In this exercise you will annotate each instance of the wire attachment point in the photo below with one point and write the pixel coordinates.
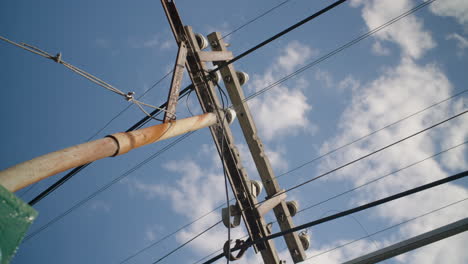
(129, 96)
(58, 58)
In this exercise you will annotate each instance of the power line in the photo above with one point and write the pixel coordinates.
(256, 18)
(58, 59)
(280, 34)
(373, 152)
(186, 242)
(128, 106)
(338, 50)
(370, 134)
(169, 235)
(380, 178)
(363, 185)
(105, 187)
(338, 195)
(351, 211)
(387, 228)
(76, 170)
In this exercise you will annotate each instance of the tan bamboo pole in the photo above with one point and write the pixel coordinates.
(29, 172)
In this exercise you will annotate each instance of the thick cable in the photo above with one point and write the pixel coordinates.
(338, 50)
(352, 211)
(308, 207)
(280, 34)
(387, 228)
(255, 19)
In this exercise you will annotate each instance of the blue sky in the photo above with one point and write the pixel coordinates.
(412, 64)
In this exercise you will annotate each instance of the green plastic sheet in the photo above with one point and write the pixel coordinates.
(15, 218)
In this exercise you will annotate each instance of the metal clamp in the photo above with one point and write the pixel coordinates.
(239, 244)
(233, 212)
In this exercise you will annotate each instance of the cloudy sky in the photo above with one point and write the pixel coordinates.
(407, 67)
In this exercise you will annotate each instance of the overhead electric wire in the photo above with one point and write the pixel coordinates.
(338, 50)
(326, 154)
(351, 211)
(76, 170)
(58, 59)
(387, 228)
(169, 235)
(128, 106)
(381, 177)
(105, 187)
(280, 34)
(308, 207)
(255, 18)
(369, 134)
(372, 153)
(186, 242)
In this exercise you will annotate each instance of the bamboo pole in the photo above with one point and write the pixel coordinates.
(29, 172)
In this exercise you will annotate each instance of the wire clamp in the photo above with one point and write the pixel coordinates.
(129, 96)
(240, 244)
(58, 58)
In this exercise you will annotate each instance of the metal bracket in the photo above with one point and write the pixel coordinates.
(233, 212)
(239, 244)
(176, 81)
(271, 203)
(215, 55)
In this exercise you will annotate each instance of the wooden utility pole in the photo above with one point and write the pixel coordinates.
(247, 205)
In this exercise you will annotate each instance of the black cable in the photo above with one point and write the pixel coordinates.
(255, 19)
(76, 170)
(338, 50)
(348, 144)
(285, 31)
(387, 228)
(308, 207)
(226, 188)
(351, 211)
(105, 187)
(186, 242)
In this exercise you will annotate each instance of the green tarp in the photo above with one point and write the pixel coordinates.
(15, 219)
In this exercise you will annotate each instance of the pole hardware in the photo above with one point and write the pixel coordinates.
(271, 203)
(234, 213)
(293, 207)
(239, 244)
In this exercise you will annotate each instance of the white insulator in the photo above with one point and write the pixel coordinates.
(256, 187)
(230, 115)
(293, 207)
(243, 77)
(202, 41)
(305, 240)
(217, 77)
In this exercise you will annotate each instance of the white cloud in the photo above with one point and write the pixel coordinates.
(398, 92)
(453, 8)
(325, 77)
(379, 49)
(349, 82)
(99, 205)
(462, 42)
(282, 110)
(407, 33)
